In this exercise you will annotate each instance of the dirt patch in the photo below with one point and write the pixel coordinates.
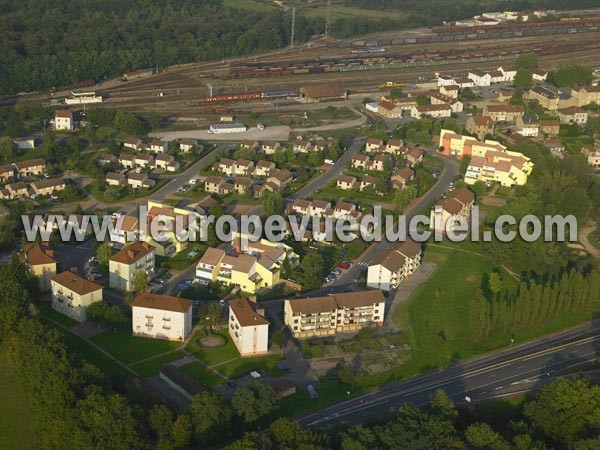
(212, 340)
(493, 201)
(471, 278)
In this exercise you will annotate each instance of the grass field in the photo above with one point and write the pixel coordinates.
(130, 349)
(250, 5)
(153, 366)
(339, 11)
(16, 428)
(202, 375)
(227, 361)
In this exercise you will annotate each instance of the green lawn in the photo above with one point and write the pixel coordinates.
(181, 260)
(243, 366)
(250, 5)
(94, 189)
(130, 349)
(16, 428)
(213, 355)
(153, 366)
(47, 311)
(330, 391)
(202, 375)
(91, 354)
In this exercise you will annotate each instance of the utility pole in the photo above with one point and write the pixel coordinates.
(328, 19)
(210, 89)
(293, 27)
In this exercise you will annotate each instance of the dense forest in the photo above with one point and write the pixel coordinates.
(47, 43)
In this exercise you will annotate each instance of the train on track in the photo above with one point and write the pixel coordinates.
(244, 96)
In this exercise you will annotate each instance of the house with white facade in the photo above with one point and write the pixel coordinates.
(248, 328)
(161, 317)
(388, 269)
(63, 120)
(123, 266)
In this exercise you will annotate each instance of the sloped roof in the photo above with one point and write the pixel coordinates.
(75, 283)
(162, 302)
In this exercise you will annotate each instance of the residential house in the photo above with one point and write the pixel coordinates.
(72, 294)
(40, 261)
(302, 146)
(447, 214)
(125, 264)
(389, 110)
(449, 91)
(435, 111)
(161, 317)
(586, 94)
(159, 146)
(545, 97)
(133, 143)
(164, 161)
(115, 179)
(248, 144)
(445, 80)
(247, 272)
(401, 177)
(550, 127)
(528, 125)
(336, 313)
(214, 185)
(490, 160)
(139, 180)
(594, 159)
(480, 126)
(388, 269)
(479, 77)
(360, 161)
(264, 168)
(414, 156)
(127, 160)
(188, 145)
(243, 167)
(346, 182)
(126, 229)
(242, 185)
(394, 146)
(573, 114)
(374, 145)
(270, 147)
(47, 186)
(456, 105)
(539, 74)
(63, 120)
(503, 113)
(368, 181)
(248, 328)
(107, 158)
(30, 168)
(14, 191)
(143, 160)
(7, 173)
(280, 179)
(505, 95)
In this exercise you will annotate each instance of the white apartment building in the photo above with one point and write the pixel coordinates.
(454, 208)
(63, 119)
(325, 316)
(161, 317)
(389, 269)
(123, 266)
(72, 294)
(248, 328)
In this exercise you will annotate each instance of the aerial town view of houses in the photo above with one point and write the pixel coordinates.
(311, 110)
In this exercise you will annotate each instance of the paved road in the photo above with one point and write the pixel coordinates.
(346, 280)
(506, 372)
(340, 165)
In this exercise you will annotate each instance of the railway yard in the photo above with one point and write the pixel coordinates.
(271, 81)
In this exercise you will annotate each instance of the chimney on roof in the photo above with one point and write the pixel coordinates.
(73, 269)
(50, 252)
(252, 299)
(130, 254)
